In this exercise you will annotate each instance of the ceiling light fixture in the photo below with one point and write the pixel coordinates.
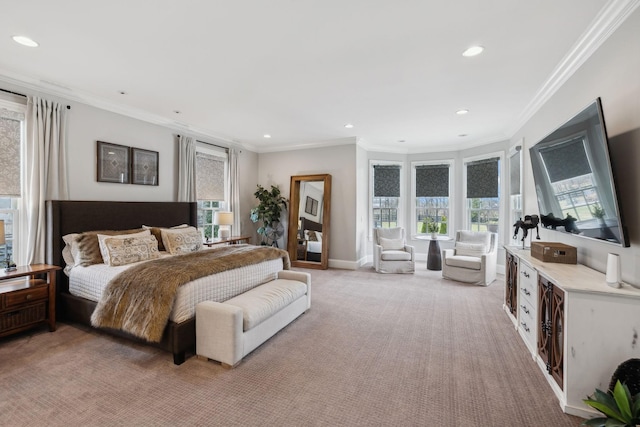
(348, 126)
(25, 41)
(473, 51)
(266, 135)
(462, 112)
(462, 135)
(401, 140)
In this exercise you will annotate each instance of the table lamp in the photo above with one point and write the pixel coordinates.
(224, 220)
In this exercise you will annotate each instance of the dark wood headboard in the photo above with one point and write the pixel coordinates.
(307, 224)
(69, 216)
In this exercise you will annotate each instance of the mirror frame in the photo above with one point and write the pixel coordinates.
(294, 206)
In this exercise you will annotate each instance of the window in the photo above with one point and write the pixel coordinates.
(431, 190)
(483, 194)
(11, 138)
(515, 188)
(211, 187)
(572, 178)
(386, 183)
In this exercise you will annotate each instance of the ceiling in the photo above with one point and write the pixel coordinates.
(300, 70)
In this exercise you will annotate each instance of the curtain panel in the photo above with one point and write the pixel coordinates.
(186, 169)
(386, 181)
(482, 178)
(432, 181)
(234, 191)
(514, 174)
(45, 171)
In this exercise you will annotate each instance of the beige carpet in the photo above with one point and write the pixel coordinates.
(374, 350)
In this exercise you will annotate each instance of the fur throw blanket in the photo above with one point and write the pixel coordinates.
(139, 300)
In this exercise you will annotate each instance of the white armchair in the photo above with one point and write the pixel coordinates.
(474, 258)
(391, 254)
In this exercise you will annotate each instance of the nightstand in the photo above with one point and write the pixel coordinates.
(27, 298)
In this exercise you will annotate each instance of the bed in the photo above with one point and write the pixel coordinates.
(312, 245)
(65, 217)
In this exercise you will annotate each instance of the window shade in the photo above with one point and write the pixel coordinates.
(514, 174)
(209, 177)
(482, 178)
(566, 160)
(432, 181)
(10, 131)
(386, 181)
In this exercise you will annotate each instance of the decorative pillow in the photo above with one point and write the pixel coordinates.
(126, 250)
(89, 248)
(157, 232)
(391, 244)
(311, 236)
(319, 236)
(70, 251)
(103, 237)
(182, 240)
(470, 249)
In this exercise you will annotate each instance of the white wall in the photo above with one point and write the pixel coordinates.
(339, 161)
(613, 74)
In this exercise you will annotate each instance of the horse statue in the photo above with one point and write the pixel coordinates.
(530, 221)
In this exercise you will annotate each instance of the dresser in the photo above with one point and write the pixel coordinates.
(576, 327)
(27, 298)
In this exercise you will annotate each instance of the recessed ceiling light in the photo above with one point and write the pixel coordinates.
(121, 92)
(177, 111)
(401, 140)
(266, 135)
(348, 126)
(462, 112)
(462, 135)
(25, 41)
(473, 51)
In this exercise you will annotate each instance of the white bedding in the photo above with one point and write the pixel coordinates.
(90, 282)
(313, 246)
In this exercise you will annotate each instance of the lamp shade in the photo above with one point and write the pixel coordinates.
(2, 238)
(223, 218)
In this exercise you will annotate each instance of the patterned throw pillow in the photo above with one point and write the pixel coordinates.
(103, 237)
(182, 240)
(88, 247)
(127, 250)
(157, 232)
(312, 236)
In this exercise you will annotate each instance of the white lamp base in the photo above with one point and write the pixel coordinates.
(224, 233)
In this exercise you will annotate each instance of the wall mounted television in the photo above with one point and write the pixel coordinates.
(574, 179)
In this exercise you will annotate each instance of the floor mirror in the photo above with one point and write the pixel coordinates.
(309, 221)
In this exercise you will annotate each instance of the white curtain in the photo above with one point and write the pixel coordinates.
(234, 191)
(186, 169)
(45, 172)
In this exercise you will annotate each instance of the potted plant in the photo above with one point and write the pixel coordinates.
(268, 211)
(619, 407)
(598, 212)
(433, 227)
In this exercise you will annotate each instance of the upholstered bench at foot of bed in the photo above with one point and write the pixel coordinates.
(230, 330)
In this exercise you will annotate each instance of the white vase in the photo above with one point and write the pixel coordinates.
(434, 235)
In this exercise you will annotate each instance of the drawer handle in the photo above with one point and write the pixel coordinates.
(525, 274)
(29, 296)
(525, 309)
(526, 291)
(525, 327)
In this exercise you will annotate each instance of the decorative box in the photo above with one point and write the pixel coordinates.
(554, 252)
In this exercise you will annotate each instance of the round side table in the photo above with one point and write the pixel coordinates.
(434, 256)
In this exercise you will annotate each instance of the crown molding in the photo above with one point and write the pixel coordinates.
(604, 24)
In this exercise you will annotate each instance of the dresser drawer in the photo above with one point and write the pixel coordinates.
(527, 322)
(528, 282)
(23, 316)
(24, 296)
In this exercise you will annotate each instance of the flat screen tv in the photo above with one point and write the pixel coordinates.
(574, 179)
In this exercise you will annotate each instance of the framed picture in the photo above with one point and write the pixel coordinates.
(144, 167)
(113, 163)
(311, 206)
